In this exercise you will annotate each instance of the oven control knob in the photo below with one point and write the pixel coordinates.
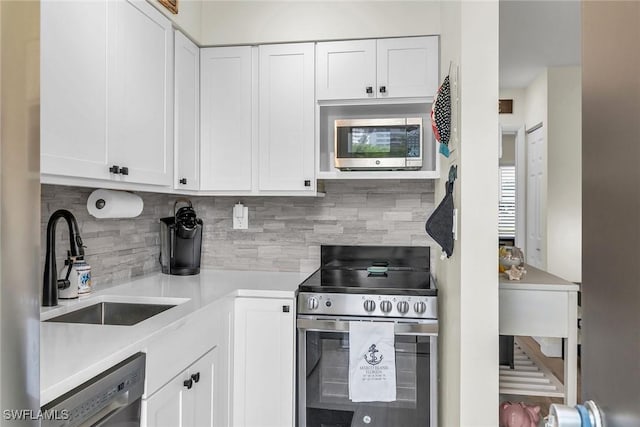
(386, 306)
(403, 307)
(369, 305)
(420, 307)
(312, 303)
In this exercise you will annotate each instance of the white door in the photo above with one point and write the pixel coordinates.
(346, 69)
(73, 89)
(187, 114)
(407, 67)
(140, 116)
(226, 151)
(286, 125)
(263, 363)
(536, 191)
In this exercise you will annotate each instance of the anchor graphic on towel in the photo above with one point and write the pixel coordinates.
(373, 359)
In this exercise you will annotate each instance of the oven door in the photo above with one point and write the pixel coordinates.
(323, 376)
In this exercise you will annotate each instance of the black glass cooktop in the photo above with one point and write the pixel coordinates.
(391, 270)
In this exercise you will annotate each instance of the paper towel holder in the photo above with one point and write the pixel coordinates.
(105, 204)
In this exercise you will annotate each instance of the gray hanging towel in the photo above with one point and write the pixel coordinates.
(440, 224)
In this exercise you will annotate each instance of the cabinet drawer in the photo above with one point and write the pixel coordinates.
(177, 347)
(534, 313)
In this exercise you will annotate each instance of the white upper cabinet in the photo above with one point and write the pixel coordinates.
(407, 67)
(73, 89)
(346, 69)
(286, 123)
(187, 114)
(140, 74)
(226, 147)
(384, 68)
(107, 91)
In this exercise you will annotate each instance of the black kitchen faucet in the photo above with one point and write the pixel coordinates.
(51, 282)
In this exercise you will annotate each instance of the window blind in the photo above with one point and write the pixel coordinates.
(507, 205)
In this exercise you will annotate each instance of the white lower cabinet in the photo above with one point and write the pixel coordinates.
(263, 362)
(187, 400)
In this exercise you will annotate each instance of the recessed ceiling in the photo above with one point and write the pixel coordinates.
(537, 34)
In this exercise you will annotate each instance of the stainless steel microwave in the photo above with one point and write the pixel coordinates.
(378, 144)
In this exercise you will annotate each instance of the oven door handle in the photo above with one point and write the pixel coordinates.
(429, 328)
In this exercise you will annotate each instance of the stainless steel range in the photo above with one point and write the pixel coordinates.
(368, 284)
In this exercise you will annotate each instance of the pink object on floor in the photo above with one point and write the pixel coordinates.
(518, 415)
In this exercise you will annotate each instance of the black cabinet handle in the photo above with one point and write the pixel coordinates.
(369, 89)
(124, 170)
(285, 309)
(188, 383)
(195, 377)
(183, 180)
(383, 89)
(114, 169)
(307, 183)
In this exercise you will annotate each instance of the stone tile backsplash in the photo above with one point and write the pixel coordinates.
(285, 233)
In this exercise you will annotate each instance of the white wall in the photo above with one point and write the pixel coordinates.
(468, 281)
(508, 157)
(519, 104)
(188, 19)
(564, 167)
(252, 22)
(448, 270)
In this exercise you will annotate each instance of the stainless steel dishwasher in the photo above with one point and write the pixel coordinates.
(112, 398)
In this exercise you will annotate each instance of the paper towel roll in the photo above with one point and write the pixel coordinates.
(114, 204)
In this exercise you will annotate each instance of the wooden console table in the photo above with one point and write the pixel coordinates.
(541, 305)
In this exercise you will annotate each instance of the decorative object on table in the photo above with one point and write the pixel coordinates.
(518, 415)
(509, 256)
(441, 115)
(515, 272)
(114, 204)
(588, 414)
(440, 224)
(172, 5)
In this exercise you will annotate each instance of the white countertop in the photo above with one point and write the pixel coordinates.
(71, 354)
(537, 280)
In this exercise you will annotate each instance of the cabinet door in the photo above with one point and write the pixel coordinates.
(171, 406)
(407, 67)
(187, 114)
(226, 156)
(263, 363)
(346, 70)
(286, 129)
(177, 405)
(140, 117)
(204, 370)
(73, 89)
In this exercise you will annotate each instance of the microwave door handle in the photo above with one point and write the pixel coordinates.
(400, 328)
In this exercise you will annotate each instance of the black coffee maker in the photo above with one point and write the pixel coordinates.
(181, 241)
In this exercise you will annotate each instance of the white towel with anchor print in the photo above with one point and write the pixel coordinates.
(372, 362)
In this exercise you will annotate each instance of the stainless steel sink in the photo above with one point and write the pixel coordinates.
(112, 313)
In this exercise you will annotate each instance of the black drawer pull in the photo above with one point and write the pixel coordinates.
(114, 169)
(196, 377)
(383, 89)
(369, 90)
(188, 383)
(285, 309)
(183, 181)
(124, 170)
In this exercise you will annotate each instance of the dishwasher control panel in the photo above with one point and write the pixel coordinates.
(99, 398)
